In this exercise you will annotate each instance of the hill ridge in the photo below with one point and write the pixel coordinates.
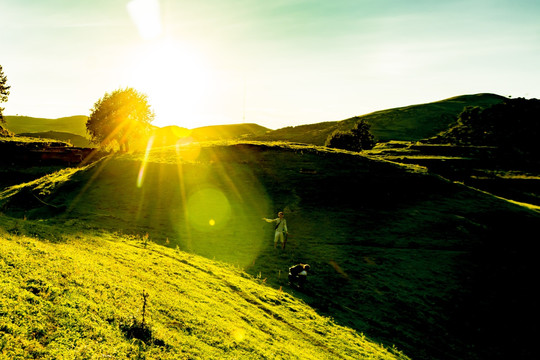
(422, 121)
(407, 123)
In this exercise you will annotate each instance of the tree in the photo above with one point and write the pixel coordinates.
(513, 125)
(119, 117)
(4, 92)
(357, 139)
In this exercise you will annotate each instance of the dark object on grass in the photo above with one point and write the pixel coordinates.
(298, 275)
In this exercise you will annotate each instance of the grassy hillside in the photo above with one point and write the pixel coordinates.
(4, 131)
(409, 259)
(410, 123)
(26, 124)
(75, 140)
(73, 129)
(12, 170)
(227, 132)
(173, 135)
(88, 295)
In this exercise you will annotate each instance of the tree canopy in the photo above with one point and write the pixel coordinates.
(4, 92)
(119, 117)
(357, 139)
(512, 125)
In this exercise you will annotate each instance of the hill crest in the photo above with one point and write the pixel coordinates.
(407, 123)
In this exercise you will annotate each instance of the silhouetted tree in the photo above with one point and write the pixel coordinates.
(357, 139)
(4, 92)
(511, 125)
(119, 117)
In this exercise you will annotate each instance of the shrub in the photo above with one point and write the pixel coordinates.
(357, 139)
(512, 125)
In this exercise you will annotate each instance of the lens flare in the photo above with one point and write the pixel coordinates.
(208, 209)
(146, 16)
(140, 178)
(187, 149)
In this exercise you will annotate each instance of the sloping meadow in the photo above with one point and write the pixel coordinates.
(407, 258)
(99, 295)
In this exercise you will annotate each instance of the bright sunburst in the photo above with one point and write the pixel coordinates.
(173, 75)
(175, 80)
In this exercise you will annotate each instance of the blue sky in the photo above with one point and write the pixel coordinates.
(277, 63)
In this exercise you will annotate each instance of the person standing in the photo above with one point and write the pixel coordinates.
(280, 228)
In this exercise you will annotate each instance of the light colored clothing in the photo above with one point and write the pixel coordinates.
(279, 236)
(281, 224)
(281, 227)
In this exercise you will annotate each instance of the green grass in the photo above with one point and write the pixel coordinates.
(73, 139)
(409, 259)
(73, 129)
(81, 297)
(409, 123)
(24, 124)
(31, 142)
(12, 172)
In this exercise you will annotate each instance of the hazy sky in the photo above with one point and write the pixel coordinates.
(278, 63)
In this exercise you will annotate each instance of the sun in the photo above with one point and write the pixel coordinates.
(175, 78)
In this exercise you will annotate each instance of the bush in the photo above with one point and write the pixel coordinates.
(357, 139)
(513, 125)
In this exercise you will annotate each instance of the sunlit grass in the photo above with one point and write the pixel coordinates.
(72, 299)
(391, 265)
(24, 140)
(140, 178)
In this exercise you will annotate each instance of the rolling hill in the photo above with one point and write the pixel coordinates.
(409, 259)
(409, 123)
(227, 132)
(75, 140)
(172, 135)
(73, 129)
(26, 124)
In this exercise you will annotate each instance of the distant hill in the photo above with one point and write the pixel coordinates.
(224, 132)
(25, 124)
(75, 140)
(170, 135)
(58, 129)
(409, 123)
(173, 135)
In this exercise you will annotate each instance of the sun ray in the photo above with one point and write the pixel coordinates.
(147, 17)
(100, 165)
(175, 77)
(140, 178)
